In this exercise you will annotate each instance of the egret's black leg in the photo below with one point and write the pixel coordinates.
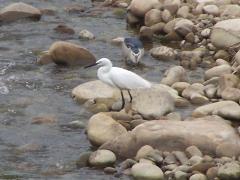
(123, 101)
(130, 96)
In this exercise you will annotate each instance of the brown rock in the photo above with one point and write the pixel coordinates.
(16, 11)
(44, 120)
(62, 28)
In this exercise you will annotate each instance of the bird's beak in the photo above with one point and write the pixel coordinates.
(90, 65)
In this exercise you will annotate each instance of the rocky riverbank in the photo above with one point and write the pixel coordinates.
(157, 141)
(151, 138)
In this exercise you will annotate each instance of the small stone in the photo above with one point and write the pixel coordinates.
(85, 34)
(181, 156)
(193, 151)
(152, 17)
(128, 163)
(145, 33)
(163, 53)
(179, 175)
(180, 86)
(44, 120)
(146, 171)
(110, 170)
(229, 171)
(31, 147)
(170, 159)
(212, 172)
(102, 158)
(142, 160)
(198, 176)
(144, 151)
(157, 28)
(166, 16)
(64, 29)
(183, 11)
(195, 160)
(83, 159)
(206, 33)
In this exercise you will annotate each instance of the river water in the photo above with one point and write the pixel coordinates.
(28, 90)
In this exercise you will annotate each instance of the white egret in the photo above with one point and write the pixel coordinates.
(119, 78)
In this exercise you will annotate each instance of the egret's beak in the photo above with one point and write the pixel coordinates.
(90, 65)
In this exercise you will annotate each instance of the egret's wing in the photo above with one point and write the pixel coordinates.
(125, 79)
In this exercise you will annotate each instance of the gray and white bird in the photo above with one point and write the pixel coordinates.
(119, 78)
(132, 49)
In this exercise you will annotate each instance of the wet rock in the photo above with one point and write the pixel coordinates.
(166, 16)
(147, 172)
(85, 34)
(102, 128)
(94, 90)
(229, 171)
(193, 151)
(152, 103)
(230, 112)
(183, 12)
(183, 27)
(144, 152)
(62, 28)
(163, 53)
(228, 149)
(83, 159)
(152, 17)
(180, 86)
(217, 71)
(31, 147)
(198, 176)
(132, 19)
(44, 59)
(141, 7)
(145, 33)
(225, 33)
(212, 131)
(174, 74)
(65, 53)
(157, 28)
(102, 158)
(110, 170)
(74, 8)
(208, 109)
(211, 9)
(16, 11)
(44, 120)
(212, 173)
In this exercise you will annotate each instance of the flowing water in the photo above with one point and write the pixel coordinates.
(28, 90)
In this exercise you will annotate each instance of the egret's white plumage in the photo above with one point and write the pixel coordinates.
(119, 78)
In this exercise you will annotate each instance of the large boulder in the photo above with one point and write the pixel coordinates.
(102, 128)
(209, 109)
(18, 11)
(226, 33)
(66, 53)
(152, 103)
(206, 133)
(141, 7)
(94, 90)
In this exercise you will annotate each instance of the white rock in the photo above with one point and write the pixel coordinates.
(147, 171)
(85, 34)
(102, 158)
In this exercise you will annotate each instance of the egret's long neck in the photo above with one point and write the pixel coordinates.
(104, 69)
